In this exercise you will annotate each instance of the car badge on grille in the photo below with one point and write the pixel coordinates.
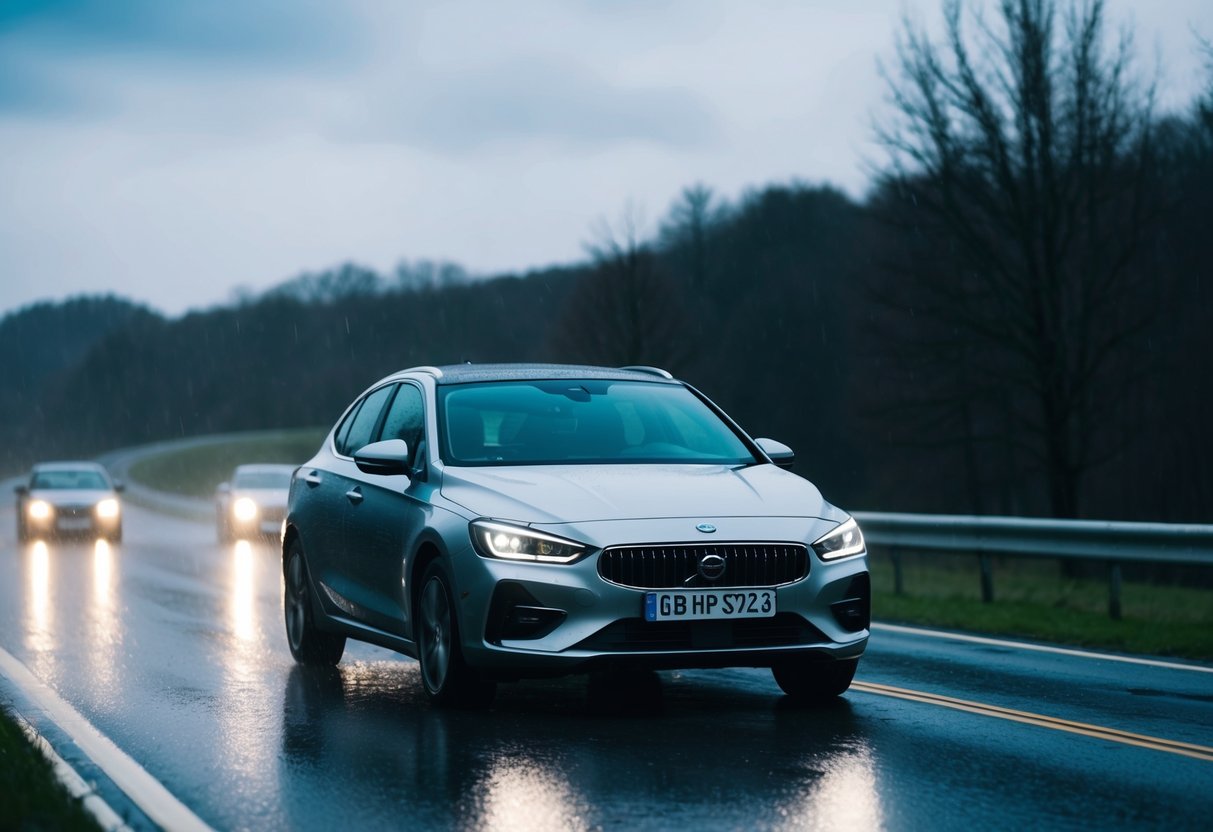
(706, 528)
(711, 567)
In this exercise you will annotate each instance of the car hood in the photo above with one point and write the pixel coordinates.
(70, 496)
(548, 494)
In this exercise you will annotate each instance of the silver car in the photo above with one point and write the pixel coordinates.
(63, 499)
(252, 502)
(506, 521)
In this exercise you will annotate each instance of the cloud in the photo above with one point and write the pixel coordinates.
(44, 45)
(545, 100)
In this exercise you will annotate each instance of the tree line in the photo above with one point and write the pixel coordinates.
(1014, 320)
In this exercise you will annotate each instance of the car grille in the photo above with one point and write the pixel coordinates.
(637, 635)
(73, 512)
(671, 567)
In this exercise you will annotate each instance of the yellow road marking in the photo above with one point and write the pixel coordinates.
(1187, 749)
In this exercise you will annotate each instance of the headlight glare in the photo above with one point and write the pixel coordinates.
(39, 509)
(244, 509)
(501, 540)
(842, 541)
(107, 508)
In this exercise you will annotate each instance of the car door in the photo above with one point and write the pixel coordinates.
(378, 524)
(334, 488)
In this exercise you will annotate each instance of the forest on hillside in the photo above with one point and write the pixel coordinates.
(1014, 320)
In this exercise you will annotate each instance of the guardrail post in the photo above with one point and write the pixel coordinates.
(1114, 593)
(898, 583)
(987, 579)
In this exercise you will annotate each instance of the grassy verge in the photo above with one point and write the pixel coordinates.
(194, 472)
(31, 797)
(1033, 600)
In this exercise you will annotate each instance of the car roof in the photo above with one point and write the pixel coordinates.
(471, 373)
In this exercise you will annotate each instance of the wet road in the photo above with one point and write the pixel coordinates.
(173, 647)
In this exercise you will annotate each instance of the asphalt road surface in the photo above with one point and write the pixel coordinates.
(172, 646)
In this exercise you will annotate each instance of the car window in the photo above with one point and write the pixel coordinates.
(83, 480)
(362, 422)
(538, 422)
(405, 418)
(262, 479)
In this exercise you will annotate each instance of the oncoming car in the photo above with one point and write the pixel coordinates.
(252, 502)
(69, 498)
(507, 521)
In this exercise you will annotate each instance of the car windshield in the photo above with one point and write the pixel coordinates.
(262, 479)
(582, 421)
(76, 480)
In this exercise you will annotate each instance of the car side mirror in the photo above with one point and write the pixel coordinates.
(387, 458)
(119, 486)
(779, 453)
(21, 489)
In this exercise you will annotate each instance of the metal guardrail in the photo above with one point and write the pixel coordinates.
(1111, 542)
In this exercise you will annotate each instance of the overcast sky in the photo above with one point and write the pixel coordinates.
(173, 151)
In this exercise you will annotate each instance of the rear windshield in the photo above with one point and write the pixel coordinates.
(70, 480)
(570, 421)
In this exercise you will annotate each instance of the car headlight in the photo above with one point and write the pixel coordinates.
(39, 509)
(244, 509)
(842, 541)
(107, 509)
(501, 540)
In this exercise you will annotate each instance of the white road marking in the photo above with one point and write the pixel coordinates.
(148, 793)
(1040, 648)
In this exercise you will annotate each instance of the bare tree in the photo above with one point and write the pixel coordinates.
(1021, 154)
(687, 228)
(624, 312)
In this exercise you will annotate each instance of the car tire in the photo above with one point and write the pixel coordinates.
(815, 680)
(22, 530)
(447, 679)
(309, 645)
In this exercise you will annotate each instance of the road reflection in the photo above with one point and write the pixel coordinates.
(841, 796)
(104, 627)
(519, 795)
(546, 758)
(40, 636)
(248, 690)
(242, 607)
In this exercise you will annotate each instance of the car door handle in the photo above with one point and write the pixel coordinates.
(354, 496)
(312, 479)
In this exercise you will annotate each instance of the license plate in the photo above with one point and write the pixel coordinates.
(74, 524)
(705, 604)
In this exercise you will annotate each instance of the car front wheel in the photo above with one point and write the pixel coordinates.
(309, 645)
(815, 680)
(447, 678)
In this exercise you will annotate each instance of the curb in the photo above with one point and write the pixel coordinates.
(76, 786)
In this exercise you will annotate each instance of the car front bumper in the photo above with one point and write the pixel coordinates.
(537, 619)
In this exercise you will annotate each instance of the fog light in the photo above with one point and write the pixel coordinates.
(854, 613)
(531, 622)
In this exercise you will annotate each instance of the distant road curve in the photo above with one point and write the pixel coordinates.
(121, 461)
